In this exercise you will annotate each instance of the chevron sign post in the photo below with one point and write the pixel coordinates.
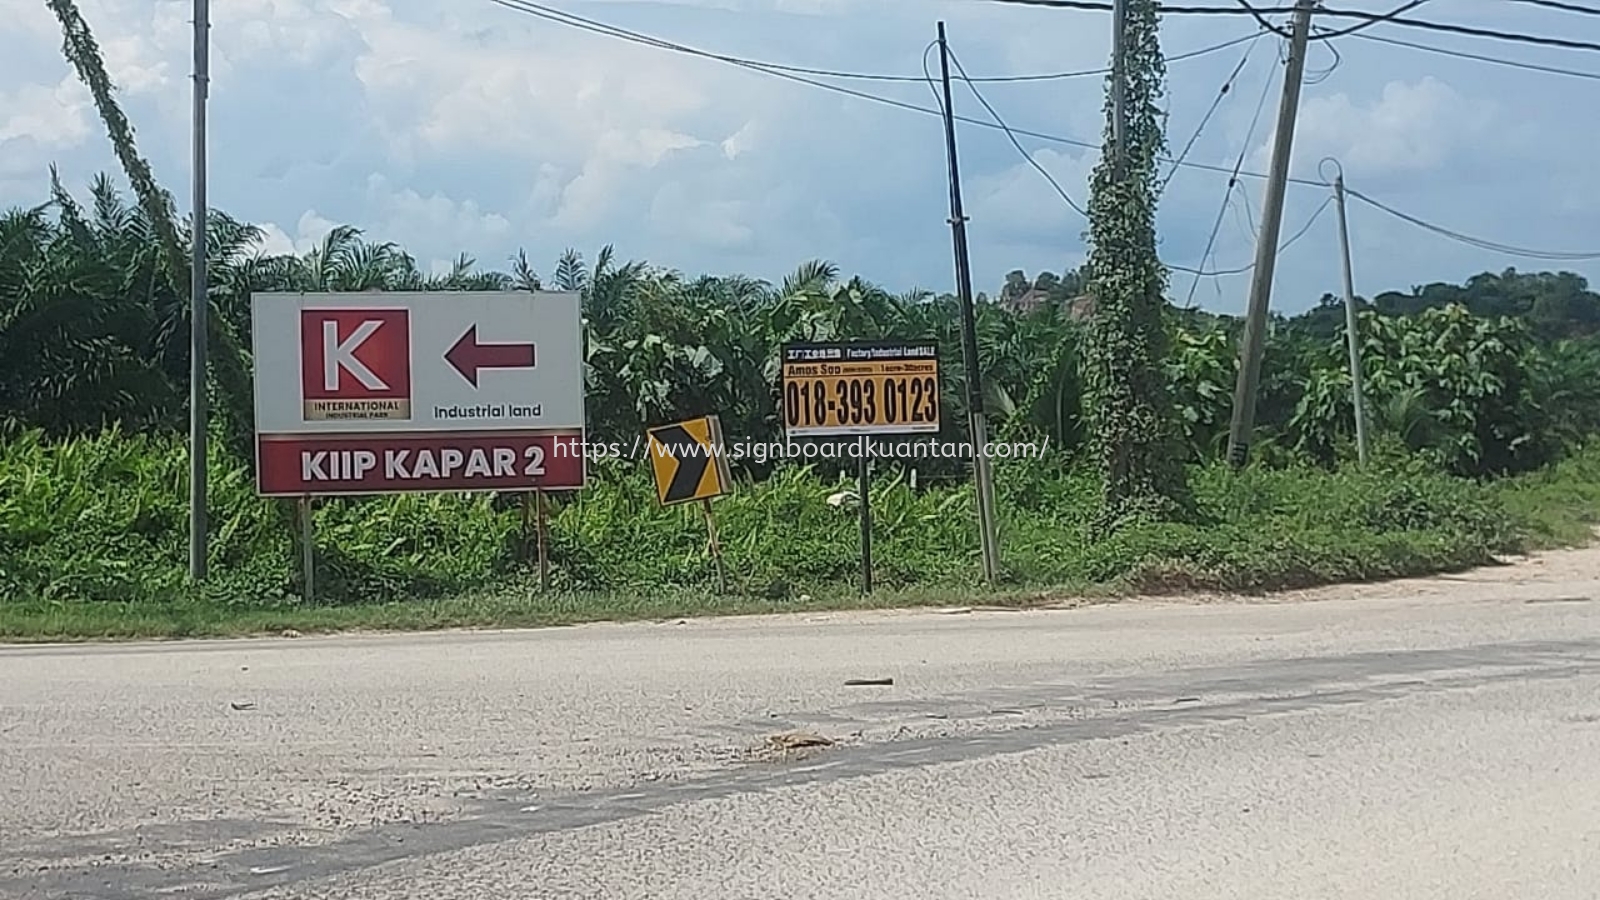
(689, 464)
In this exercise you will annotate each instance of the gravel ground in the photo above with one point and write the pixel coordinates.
(1451, 720)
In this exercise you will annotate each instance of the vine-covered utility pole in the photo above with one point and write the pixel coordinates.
(1128, 402)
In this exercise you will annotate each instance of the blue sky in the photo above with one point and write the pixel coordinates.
(463, 126)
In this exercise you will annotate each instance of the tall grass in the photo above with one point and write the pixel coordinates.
(103, 519)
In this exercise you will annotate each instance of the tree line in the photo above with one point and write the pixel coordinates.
(1487, 377)
(1490, 374)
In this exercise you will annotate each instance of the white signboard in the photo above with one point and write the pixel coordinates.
(410, 391)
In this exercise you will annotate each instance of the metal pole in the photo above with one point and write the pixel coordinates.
(308, 551)
(969, 333)
(716, 546)
(544, 543)
(1119, 88)
(1351, 332)
(1255, 326)
(199, 305)
(864, 487)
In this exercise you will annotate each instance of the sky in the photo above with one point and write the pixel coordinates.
(462, 126)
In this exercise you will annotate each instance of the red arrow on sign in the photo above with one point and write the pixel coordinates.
(468, 356)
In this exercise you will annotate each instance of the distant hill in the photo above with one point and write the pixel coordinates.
(1557, 305)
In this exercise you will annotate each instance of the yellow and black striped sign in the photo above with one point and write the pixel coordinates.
(688, 461)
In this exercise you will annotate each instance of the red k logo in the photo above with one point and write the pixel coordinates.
(355, 363)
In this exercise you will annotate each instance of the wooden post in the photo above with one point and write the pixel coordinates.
(716, 546)
(544, 547)
(308, 556)
(523, 539)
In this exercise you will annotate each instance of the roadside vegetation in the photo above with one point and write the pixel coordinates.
(1483, 398)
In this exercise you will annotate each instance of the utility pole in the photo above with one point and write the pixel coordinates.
(1119, 88)
(1351, 333)
(969, 335)
(1255, 326)
(199, 304)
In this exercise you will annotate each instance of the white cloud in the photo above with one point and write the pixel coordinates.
(741, 141)
(1409, 127)
(52, 115)
(311, 228)
(1019, 203)
(539, 98)
(490, 130)
(275, 31)
(407, 216)
(716, 223)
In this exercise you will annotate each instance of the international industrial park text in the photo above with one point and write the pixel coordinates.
(836, 448)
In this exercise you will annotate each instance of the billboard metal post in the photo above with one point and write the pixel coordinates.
(308, 550)
(864, 487)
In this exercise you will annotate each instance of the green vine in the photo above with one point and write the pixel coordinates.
(1128, 402)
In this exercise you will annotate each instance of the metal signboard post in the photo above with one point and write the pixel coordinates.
(861, 388)
(377, 393)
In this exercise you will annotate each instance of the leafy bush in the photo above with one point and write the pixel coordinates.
(102, 519)
(92, 334)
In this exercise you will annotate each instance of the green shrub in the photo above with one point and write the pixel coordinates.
(103, 519)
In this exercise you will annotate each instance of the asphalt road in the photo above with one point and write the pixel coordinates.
(1430, 739)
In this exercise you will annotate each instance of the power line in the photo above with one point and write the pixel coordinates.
(1469, 30)
(527, 7)
(1058, 76)
(560, 17)
(1233, 181)
(1260, 16)
(1163, 8)
(1281, 247)
(849, 75)
(1480, 243)
(1001, 122)
(1565, 7)
(1478, 57)
(1215, 103)
(1325, 74)
(1249, 217)
(1368, 18)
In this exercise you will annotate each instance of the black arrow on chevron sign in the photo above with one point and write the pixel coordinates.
(692, 457)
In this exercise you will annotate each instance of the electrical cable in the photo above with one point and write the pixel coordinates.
(1003, 127)
(1376, 19)
(1281, 247)
(1469, 30)
(1480, 243)
(1322, 75)
(1248, 203)
(1367, 18)
(1216, 102)
(527, 7)
(1564, 7)
(1478, 57)
(896, 79)
(1233, 181)
(1163, 8)
(1198, 273)
(1057, 76)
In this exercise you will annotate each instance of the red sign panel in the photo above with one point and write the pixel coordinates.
(355, 364)
(379, 464)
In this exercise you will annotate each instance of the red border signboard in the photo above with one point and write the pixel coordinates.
(393, 392)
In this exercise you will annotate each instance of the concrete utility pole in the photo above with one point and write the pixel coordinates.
(969, 336)
(1119, 88)
(1351, 332)
(1255, 326)
(199, 305)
